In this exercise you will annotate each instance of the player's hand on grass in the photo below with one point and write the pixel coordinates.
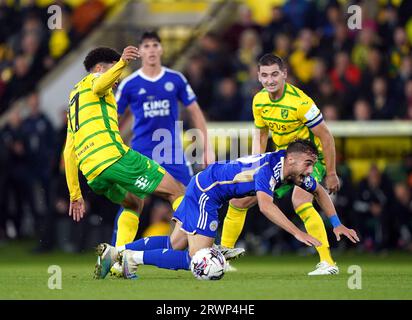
(130, 53)
(307, 239)
(348, 233)
(77, 209)
(332, 183)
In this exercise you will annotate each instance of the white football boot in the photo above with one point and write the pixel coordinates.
(230, 253)
(324, 268)
(129, 266)
(106, 257)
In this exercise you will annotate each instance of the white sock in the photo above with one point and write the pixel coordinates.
(121, 248)
(138, 257)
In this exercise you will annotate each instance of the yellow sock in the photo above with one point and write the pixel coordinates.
(127, 226)
(233, 225)
(176, 203)
(316, 228)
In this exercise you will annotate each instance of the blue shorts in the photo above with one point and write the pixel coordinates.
(198, 212)
(181, 172)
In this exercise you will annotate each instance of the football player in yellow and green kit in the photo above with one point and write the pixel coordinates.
(94, 145)
(289, 114)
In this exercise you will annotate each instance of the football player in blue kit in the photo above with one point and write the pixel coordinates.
(153, 93)
(197, 216)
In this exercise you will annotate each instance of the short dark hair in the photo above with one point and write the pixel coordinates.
(270, 59)
(303, 146)
(99, 55)
(149, 34)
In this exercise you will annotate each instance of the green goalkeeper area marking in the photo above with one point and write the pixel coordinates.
(25, 276)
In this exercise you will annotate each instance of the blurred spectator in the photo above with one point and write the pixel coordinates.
(227, 104)
(406, 109)
(330, 112)
(244, 22)
(61, 39)
(218, 62)
(366, 40)
(18, 192)
(248, 89)
(279, 24)
(362, 110)
(387, 24)
(325, 94)
(319, 75)
(382, 104)
(302, 61)
(402, 207)
(345, 78)
(405, 73)
(196, 74)
(40, 151)
(340, 41)
(301, 14)
(400, 49)
(372, 209)
(374, 67)
(282, 46)
(4, 162)
(249, 52)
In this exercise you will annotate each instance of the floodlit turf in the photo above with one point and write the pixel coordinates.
(25, 276)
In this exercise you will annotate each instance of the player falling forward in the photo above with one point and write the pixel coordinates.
(289, 114)
(197, 216)
(94, 144)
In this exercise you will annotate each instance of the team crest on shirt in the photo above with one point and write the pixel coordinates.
(213, 225)
(308, 182)
(169, 86)
(284, 113)
(272, 184)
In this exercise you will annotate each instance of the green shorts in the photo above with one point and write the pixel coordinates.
(319, 172)
(133, 173)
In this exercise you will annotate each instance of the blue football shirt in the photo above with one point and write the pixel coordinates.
(245, 176)
(154, 103)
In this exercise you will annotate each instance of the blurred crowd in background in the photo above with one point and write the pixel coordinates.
(351, 75)
(28, 48)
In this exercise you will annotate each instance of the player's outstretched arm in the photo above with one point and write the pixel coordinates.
(105, 82)
(327, 206)
(328, 145)
(273, 213)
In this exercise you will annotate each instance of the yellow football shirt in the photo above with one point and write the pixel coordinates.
(289, 118)
(93, 139)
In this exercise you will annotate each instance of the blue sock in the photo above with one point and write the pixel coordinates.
(114, 234)
(167, 258)
(150, 243)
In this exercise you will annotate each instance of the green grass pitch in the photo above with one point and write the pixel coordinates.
(25, 276)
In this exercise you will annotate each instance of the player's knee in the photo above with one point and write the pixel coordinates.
(298, 200)
(133, 203)
(177, 244)
(192, 251)
(243, 203)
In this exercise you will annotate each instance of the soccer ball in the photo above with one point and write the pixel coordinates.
(208, 264)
